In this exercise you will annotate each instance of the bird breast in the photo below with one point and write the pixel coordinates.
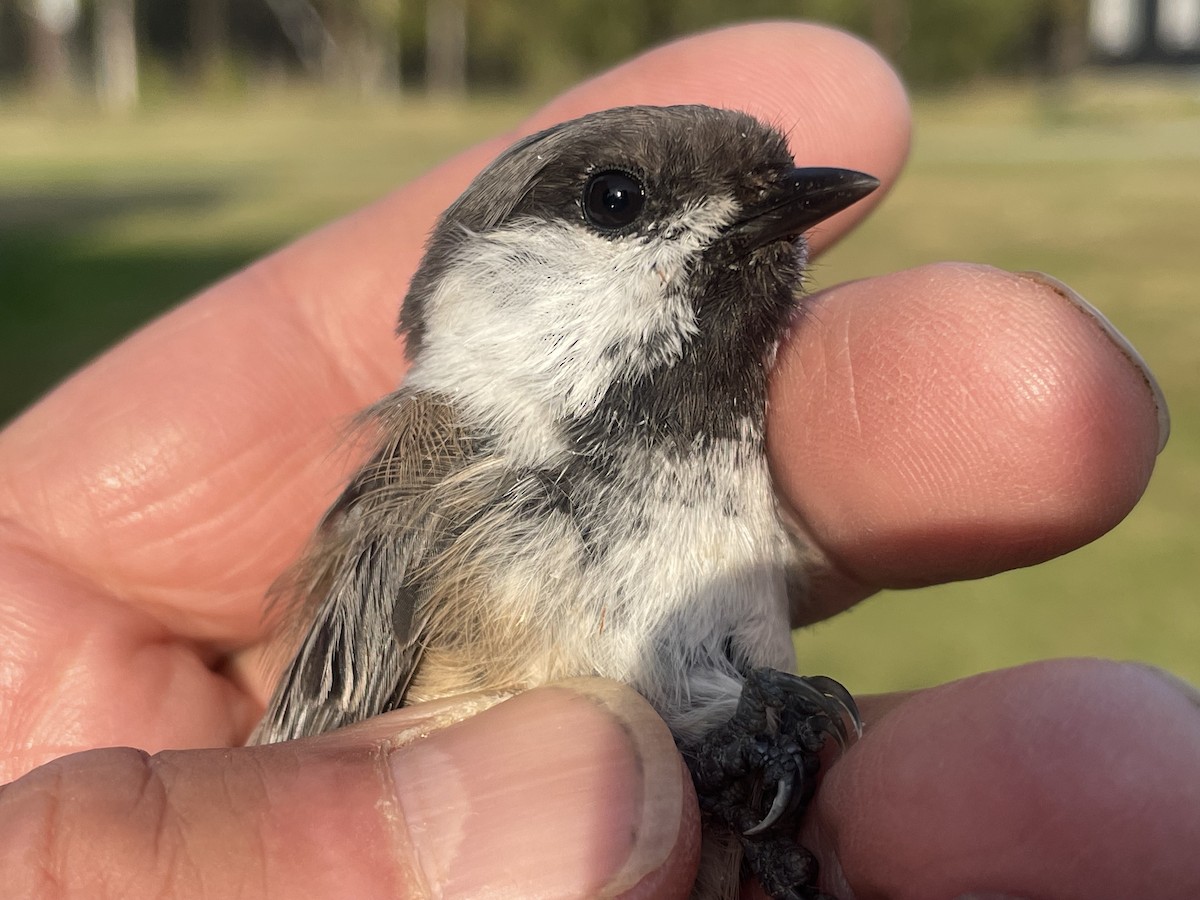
(662, 569)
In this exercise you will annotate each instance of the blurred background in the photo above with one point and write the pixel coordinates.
(149, 147)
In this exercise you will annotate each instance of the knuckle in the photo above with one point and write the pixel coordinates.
(92, 824)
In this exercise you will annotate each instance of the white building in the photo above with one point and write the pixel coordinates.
(1162, 31)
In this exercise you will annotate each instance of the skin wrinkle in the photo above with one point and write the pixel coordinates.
(196, 612)
(172, 832)
(410, 873)
(355, 364)
(106, 518)
(912, 473)
(179, 661)
(50, 840)
(188, 492)
(155, 797)
(181, 497)
(846, 358)
(250, 798)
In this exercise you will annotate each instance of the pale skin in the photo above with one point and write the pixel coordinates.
(146, 505)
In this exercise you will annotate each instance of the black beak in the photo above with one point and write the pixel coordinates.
(800, 200)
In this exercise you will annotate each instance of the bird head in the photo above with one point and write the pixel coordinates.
(635, 264)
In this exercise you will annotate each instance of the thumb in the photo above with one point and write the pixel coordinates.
(574, 790)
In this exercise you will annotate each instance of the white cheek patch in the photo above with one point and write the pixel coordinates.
(688, 231)
(535, 321)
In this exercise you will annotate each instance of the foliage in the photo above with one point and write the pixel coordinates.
(933, 42)
(535, 43)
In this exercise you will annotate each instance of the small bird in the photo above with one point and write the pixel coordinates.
(572, 479)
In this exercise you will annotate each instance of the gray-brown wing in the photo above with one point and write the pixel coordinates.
(357, 594)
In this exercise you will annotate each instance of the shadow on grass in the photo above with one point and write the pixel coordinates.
(76, 208)
(62, 302)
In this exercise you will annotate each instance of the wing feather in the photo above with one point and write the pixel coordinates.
(357, 596)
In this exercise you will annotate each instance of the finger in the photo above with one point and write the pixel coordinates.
(953, 421)
(574, 790)
(1070, 779)
(184, 469)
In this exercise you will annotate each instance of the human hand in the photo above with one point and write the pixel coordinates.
(942, 423)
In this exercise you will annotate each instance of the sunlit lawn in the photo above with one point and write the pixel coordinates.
(104, 223)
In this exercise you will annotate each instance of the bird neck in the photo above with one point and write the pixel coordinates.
(700, 399)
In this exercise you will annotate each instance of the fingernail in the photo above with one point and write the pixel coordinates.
(1186, 688)
(1119, 341)
(571, 790)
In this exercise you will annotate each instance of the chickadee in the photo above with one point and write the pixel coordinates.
(573, 481)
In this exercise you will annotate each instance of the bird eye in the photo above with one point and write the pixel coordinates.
(612, 199)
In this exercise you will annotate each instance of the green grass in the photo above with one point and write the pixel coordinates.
(105, 223)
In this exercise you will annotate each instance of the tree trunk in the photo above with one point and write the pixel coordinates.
(303, 26)
(208, 36)
(1070, 45)
(389, 48)
(51, 23)
(116, 55)
(889, 26)
(367, 35)
(446, 47)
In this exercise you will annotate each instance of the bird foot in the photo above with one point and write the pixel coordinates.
(756, 773)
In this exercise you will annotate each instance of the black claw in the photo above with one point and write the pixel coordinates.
(779, 806)
(775, 738)
(842, 705)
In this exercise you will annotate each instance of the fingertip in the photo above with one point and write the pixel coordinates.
(952, 421)
(674, 876)
(571, 790)
(1043, 780)
(1122, 345)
